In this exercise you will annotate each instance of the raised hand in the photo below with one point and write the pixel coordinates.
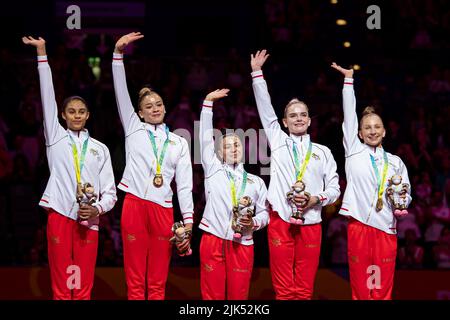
(217, 94)
(39, 44)
(257, 60)
(126, 40)
(348, 73)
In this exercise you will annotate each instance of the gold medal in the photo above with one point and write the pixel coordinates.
(379, 204)
(158, 180)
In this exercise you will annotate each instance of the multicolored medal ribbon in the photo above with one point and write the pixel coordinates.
(380, 180)
(234, 198)
(78, 161)
(158, 179)
(299, 172)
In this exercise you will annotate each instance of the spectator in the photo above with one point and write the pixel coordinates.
(6, 162)
(433, 232)
(410, 255)
(408, 224)
(182, 116)
(337, 235)
(440, 209)
(406, 152)
(424, 187)
(441, 251)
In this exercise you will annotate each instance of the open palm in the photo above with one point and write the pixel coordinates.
(258, 60)
(34, 42)
(127, 39)
(348, 73)
(217, 94)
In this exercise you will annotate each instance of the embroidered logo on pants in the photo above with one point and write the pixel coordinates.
(276, 242)
(208, 267)
(240, 270)
(54, 239)
(131, 237)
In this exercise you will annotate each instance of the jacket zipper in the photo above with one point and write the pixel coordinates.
(371, 206)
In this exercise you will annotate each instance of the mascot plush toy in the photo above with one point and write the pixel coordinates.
(297, 215)
(244, 209)
(180, 233)
(396, 194)
(86, 195)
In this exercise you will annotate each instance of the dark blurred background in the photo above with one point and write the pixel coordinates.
(193, 47)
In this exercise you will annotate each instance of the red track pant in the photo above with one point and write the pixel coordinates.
(146, 230)
(294, 258)
(371, 258)
(226, 268)
(72, 253)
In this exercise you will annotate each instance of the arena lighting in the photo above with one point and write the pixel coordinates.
(333, 2)
(341, 22)
(94, 63)
(347, 44)
(356, 67)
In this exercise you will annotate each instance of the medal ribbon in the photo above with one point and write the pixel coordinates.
(78, 161)
(299, 172)
(380, 180)
(159, 160)
(234, 199)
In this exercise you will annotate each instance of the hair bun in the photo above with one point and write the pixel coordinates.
(368, 110)
(145, 91)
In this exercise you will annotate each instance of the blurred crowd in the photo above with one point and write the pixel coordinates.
(404, 72)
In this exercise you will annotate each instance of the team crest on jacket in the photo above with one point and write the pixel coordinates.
(315, 156)
(94, 152)
(172, 142)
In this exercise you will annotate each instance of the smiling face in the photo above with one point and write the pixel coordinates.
(372, 130)
(296, 119)
(152, 109)
(76, 114)
(231, 150)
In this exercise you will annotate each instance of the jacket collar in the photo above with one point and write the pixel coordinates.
(303, 139)
(82, 134)
(156, 129)
(234, 168)
(375, 151)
